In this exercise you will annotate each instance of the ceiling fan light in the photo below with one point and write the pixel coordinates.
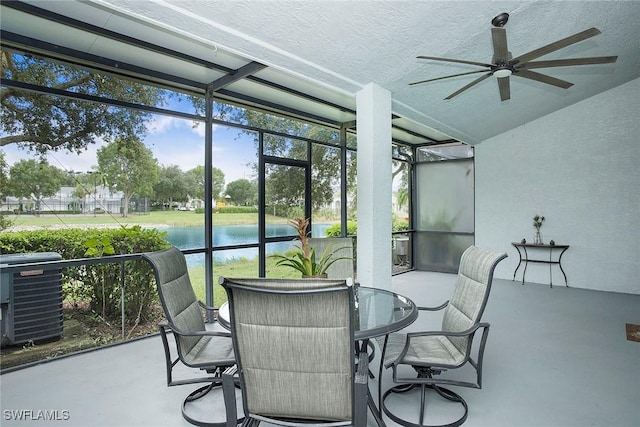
(505, 72)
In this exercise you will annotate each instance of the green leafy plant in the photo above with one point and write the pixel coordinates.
(537, 222)
(335, 230)
(304, 258)
(98, 248)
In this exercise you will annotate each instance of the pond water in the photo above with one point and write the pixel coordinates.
(225, 235)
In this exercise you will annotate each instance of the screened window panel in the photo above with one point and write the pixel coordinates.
(445, 197)
(444, 214)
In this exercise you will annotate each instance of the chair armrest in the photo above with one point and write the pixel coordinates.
(468, 332)
(440, 307)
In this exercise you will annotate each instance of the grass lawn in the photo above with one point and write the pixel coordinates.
(241, 268)
(154, 218)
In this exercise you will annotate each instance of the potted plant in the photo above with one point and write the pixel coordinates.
(304, 258)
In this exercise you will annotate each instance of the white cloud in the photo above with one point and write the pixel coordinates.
(72, 162)
(184, 158)
(199, 129)
(61, 159)
(159, 124)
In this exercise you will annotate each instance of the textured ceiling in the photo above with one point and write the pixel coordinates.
(340, 46)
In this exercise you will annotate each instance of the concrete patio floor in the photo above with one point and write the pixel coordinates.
(555, 357)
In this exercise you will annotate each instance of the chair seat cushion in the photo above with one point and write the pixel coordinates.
(423, 351)
(211, 349)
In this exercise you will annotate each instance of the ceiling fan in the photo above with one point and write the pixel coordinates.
(503, 66)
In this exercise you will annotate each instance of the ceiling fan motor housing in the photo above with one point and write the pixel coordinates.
(500, 20)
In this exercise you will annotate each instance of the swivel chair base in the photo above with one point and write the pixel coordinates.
(198, 394)
(444, 392)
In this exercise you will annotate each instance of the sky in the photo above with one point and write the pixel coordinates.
(173, 141)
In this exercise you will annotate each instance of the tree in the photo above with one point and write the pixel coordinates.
(4, 184)
(195, 177)
(281, 186)
(35, 179)
(172, 185)
(402, 195)
(4, 176)
(129, 167)
(242, 191)
(41, 123)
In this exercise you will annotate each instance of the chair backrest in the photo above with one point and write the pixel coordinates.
(471, 292)
(179, 301)
(341, 269)
(294, 346)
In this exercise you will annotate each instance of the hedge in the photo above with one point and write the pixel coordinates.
(237, 209)
(98, 283)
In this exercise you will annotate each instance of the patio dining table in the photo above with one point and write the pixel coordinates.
(378, 313)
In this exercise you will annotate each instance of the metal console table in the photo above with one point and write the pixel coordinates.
(550, 261)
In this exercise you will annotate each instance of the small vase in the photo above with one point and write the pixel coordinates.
(537, 238)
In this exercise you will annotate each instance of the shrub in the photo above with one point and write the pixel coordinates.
(334, 230)
(400, 224)
(98, 283)
(237, 209)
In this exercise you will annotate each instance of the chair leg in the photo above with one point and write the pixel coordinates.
(423, 393)
(444, 392)
(167, 354)
(229, 399)
(229, 395)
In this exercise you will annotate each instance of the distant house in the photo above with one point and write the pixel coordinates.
(65, 201)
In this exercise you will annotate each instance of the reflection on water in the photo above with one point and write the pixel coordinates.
(226, 235)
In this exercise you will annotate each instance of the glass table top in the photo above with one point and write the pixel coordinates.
(378, 312)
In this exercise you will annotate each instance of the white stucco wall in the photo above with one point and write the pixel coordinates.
(580, 168)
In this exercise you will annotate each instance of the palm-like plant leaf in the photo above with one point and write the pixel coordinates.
(311, 265)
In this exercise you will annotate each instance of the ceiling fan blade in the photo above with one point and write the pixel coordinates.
(552, 47)
(500, 51)
(459, 61)
(473, 83)
(569, 62)
(542, 78)
(505, 88)
(447, 77)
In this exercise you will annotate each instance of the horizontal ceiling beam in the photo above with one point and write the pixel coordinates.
(235, 75)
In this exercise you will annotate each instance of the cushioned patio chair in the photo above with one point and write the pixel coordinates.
(341, 269)
(432, 353)
(294, 344)
(209, 349)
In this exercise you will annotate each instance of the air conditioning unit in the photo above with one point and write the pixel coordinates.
(30, 299)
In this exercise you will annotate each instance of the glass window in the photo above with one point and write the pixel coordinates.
(284, 191)
(325, 187)
(445, 152)
(60, 75)
(444, 213)
(288, 148)
(352, 190)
